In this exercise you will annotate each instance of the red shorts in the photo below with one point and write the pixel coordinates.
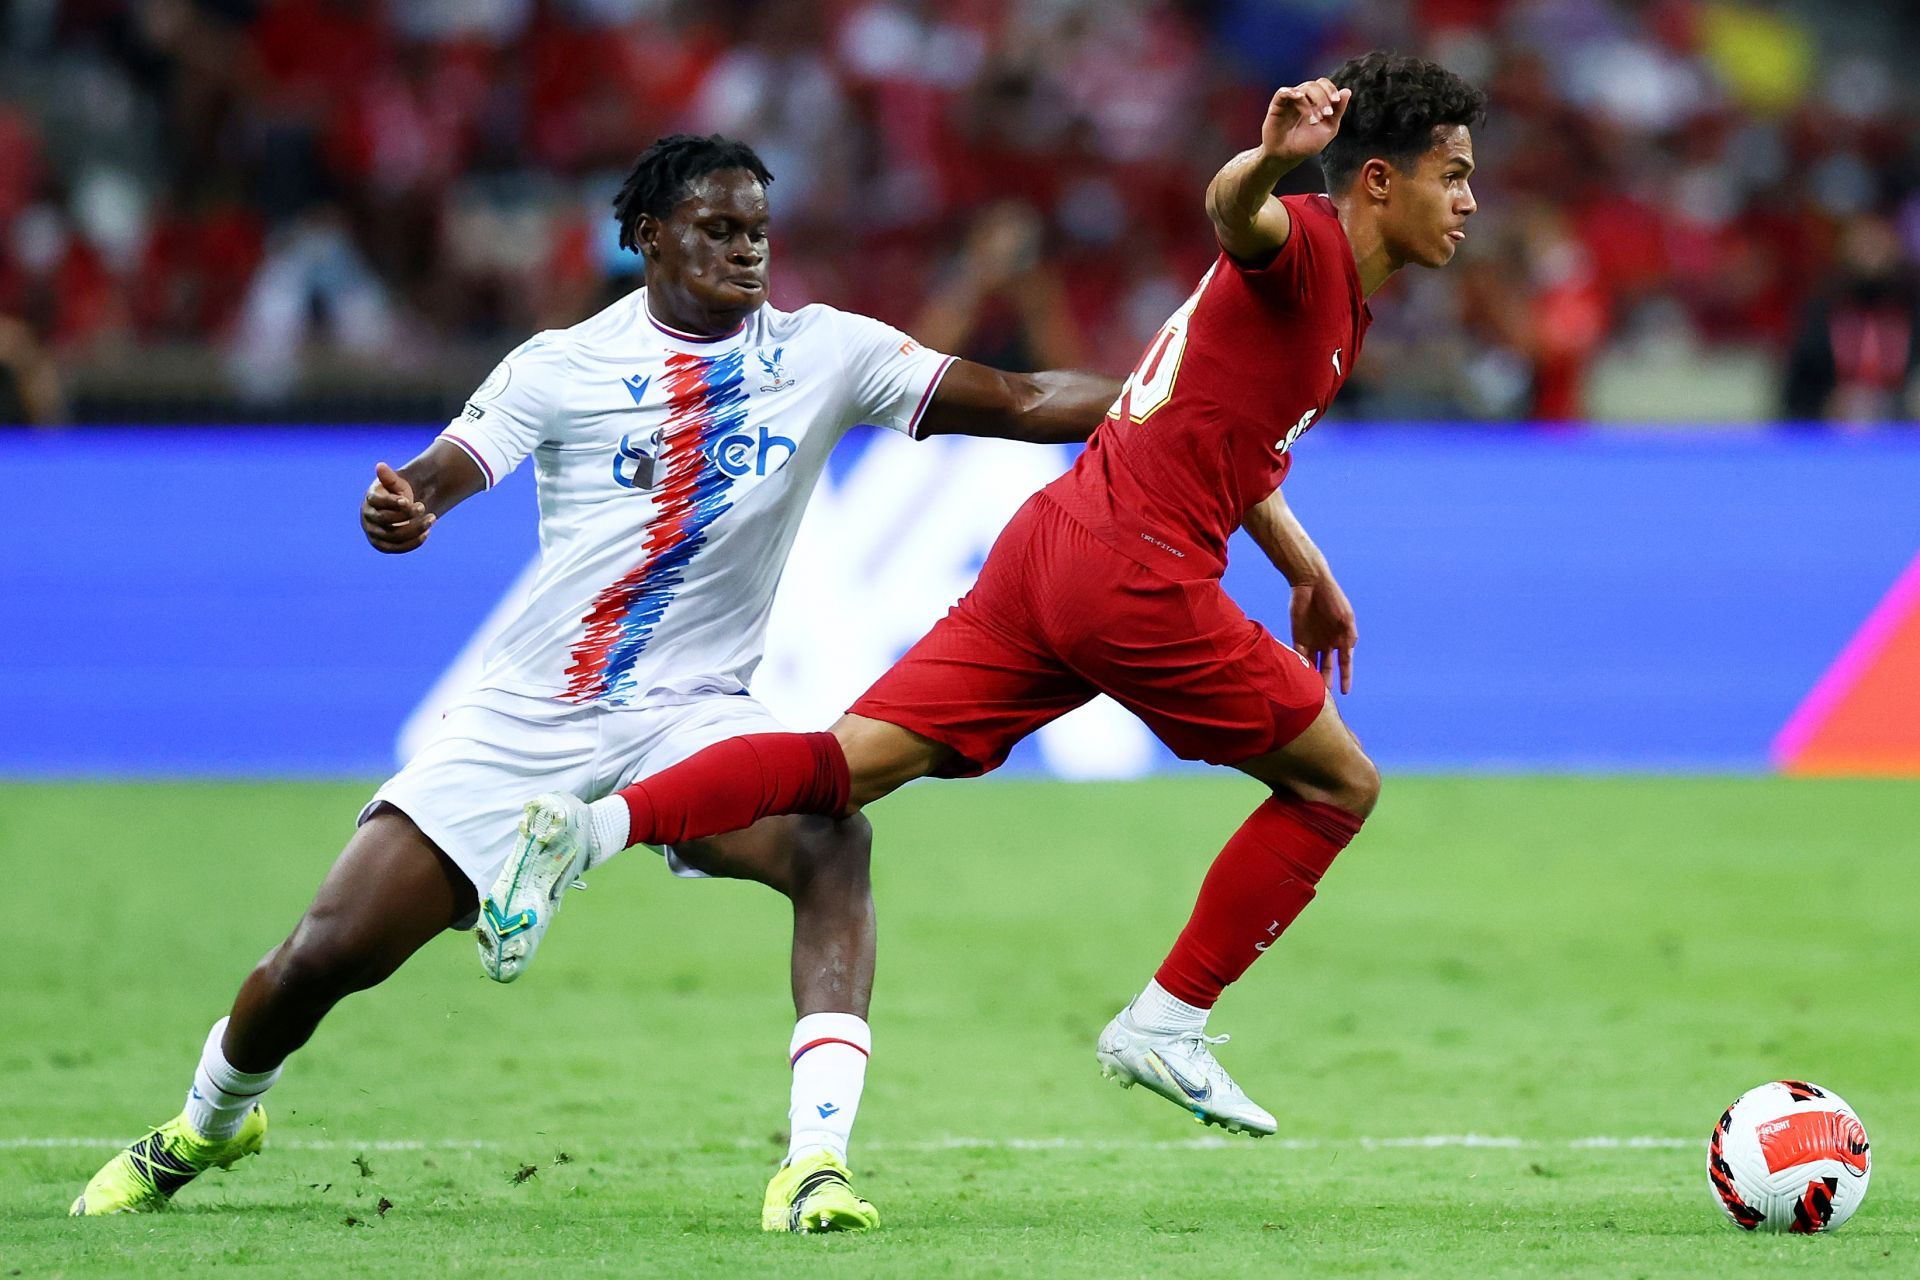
(1058, 616)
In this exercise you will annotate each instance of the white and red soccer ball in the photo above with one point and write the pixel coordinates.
(1789, 1156)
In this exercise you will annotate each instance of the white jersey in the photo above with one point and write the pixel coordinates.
(673, 472)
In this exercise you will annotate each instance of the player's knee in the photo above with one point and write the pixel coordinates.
(320, 962)
(834, 855)
(1359, 786)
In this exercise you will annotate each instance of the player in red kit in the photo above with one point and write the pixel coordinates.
(1108, 580)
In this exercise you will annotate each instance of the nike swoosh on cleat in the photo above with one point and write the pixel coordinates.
(1187, 1087)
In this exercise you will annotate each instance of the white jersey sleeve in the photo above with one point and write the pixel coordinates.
(890, 377)
(514, 410)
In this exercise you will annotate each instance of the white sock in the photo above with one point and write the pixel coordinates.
(1156, 1009)
(611, 821)
(220, 1098)
(829, 1054)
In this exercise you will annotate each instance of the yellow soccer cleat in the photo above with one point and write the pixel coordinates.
(813, 1194)
(144, 1177)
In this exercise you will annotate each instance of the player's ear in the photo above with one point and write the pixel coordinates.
(1376, 178)
(646, 235)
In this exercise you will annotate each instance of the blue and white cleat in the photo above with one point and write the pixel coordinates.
(1180, 1067)
(555, 845)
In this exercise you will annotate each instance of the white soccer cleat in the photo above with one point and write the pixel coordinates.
(1180, 1067)
(555, 845)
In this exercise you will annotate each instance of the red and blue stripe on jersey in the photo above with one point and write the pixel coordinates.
(706, 401)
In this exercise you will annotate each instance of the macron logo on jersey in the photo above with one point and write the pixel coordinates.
(636, 464)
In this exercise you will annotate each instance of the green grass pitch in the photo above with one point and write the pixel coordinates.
(1581, 972)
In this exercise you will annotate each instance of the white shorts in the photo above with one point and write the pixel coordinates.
(494, 751)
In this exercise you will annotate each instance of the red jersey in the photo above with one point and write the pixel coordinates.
(1202, 430)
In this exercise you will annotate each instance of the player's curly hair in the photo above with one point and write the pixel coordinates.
(1399, 105)
(659, 178)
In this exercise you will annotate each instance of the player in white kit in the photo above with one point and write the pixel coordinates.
(676, 437)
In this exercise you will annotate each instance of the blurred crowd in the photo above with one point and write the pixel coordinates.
(322, 209)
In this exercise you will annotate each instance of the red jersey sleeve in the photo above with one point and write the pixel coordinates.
(1207, 423)
(1286, 280)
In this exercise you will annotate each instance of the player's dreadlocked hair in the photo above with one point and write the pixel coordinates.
(659, 178)
(1399, 104)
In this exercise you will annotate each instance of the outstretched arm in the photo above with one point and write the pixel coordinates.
(1252, 224)
(1323, 625)
(1057, 407)
(401, 506)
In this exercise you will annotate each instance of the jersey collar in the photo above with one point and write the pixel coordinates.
(691, 339)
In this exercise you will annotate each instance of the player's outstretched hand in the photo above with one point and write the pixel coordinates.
(390, 516)
(1324, 632)
(1303, 119)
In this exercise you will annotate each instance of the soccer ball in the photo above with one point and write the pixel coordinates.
(1789, 1156)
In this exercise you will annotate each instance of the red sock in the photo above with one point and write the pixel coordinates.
(1259, 883)
(733, 784)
